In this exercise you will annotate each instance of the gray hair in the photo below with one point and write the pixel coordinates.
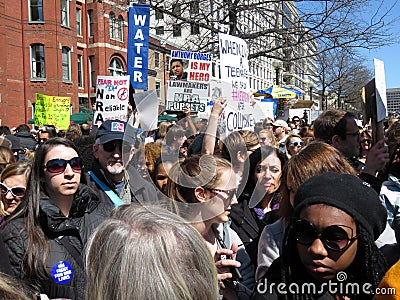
(148, 253)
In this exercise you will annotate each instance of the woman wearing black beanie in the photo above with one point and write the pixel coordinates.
(329, 250)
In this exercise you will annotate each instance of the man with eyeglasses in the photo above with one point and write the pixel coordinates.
(117, 182)
(339, 129)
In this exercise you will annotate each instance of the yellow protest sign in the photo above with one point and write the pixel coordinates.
(52, 110)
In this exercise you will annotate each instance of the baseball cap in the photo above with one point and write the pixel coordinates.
(281, 123)
(111, 130)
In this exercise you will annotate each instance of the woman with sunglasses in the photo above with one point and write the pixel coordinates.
(293, 144)
(328, 250)
(13, 185)
(203, 190)
(302, 166)
(47, 233)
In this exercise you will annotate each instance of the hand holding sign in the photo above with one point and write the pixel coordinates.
(219, 106)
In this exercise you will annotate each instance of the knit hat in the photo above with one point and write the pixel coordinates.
(348, 193)
(111, 130)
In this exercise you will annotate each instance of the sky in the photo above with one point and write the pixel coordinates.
(390, 55)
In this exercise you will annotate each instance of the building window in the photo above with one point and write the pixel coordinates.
(37, 61)
(113, 24)
(78, 21)
(194, 29)
(92, 72)
(120, 28)
(159, 15)
(80, 71)
(66, 63)
(160, 30)
(91, 22)
(158, 88)
(116, 67)
(176, 30)
(36, 10)
(176, 9)
(65, 12)
(194, 7)
(157, 59)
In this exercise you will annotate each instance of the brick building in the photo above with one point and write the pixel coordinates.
(58, 47)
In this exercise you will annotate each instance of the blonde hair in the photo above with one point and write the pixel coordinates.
(146, 253)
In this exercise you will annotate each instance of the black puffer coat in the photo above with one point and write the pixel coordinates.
(85, 215)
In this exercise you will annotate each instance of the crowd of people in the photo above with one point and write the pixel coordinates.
(283, 211)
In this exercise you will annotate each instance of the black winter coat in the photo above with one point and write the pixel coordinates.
(248, 226)
(85, 215)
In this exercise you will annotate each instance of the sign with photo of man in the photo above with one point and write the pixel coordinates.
(190, 74)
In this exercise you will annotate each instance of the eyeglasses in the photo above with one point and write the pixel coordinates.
(59, 165)
(231, 193)
(296, 144)
(357, 133)
(333, 237)
(42, 140)
(16, 191)
(112, 145)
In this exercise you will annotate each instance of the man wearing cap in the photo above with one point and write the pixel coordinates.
(112, 150)
(339, 129)
(280, 129)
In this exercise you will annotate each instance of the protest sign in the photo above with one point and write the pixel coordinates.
(147, 106)
(189, 80)
(52, 110)
(138, 45)
(235, 71)
(380, 88)
(234, 117)
(112, 99)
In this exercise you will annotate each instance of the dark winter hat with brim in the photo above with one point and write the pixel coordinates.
(348, 193)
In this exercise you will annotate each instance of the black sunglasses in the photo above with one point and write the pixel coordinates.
(230, 193)
(58, 165)
(112, 145)
(16, 191)
(333, 237)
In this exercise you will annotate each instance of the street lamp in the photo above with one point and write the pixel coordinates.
(326, 99)
(278, 65)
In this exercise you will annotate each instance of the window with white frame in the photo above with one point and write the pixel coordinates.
(36, 10)
(38, 68)
(120, 29)
(116, 67)
(78, 21)
(65, 12)
(91, 22)
(80, 71)
(113, 24)
(92, 71)
(157, 59)
(66, 63)
(158, 88)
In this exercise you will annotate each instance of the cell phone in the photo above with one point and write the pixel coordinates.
(235, 271)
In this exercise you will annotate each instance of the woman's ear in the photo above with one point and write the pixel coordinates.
(200, 194)
(336, 140)
(241, 157)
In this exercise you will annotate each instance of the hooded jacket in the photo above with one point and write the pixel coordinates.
(84, 216)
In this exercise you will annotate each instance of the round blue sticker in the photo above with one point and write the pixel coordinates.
(62, 272)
